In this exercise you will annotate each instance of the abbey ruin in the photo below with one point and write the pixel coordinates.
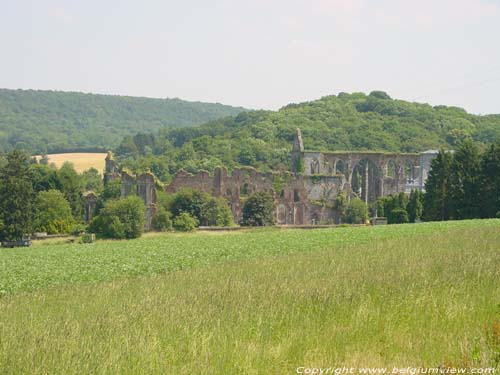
(305, 194)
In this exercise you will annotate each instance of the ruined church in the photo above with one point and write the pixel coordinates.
(305, 194)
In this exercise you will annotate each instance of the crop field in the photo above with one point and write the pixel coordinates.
(81, 160)
(264, 301)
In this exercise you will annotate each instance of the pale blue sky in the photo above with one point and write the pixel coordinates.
(258, 54)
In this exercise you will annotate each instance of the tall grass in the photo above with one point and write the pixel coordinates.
(402, 296)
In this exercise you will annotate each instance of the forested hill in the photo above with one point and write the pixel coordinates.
(55, 121)
(344, 122)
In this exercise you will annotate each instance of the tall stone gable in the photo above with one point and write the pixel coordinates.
(297, 151)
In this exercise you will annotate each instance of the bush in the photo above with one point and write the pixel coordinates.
(356, 212)
(206, 209)
(216, 212)
(190, 201)
(398, 216)
(162, 221)
(122, 218)
(53, 213)
(185, 222)
(258, 210)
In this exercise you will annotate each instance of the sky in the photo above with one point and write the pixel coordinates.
(256, 53)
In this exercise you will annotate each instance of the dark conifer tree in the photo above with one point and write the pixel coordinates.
(415, 205)
(16, 197)
(490, 182)
(437, 189)
(465, 181)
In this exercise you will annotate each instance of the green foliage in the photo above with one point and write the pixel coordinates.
(215, 212)
(49, 121)
(207, 210)
(258, 210)
(71, 188)
(162, 221)
(395, 208)
(341, 204)
(184, 222)
(16, 197)
(263, 139)
(356, 212)
(397, 216)
(44, 177)
(415, 206)
(465, 187)
(490, 181)
(190, 201)
(437, 200)
(91, 180)
(120, 218)
(111, 190)
(52, 213)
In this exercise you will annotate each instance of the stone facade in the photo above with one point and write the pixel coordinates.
(144, 186)
(306, 194)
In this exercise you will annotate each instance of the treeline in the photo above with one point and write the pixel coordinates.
(464, 184)
(37, 197)
(263, 139)
(41, 122)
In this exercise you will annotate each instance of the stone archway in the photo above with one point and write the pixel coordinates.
(314, 166)
(366, 181)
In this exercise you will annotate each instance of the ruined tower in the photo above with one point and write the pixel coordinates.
(297, 151)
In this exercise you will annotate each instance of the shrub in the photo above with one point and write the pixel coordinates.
(122, 218)
(356, 212)
(398, 216)
(216, 212)
(190, 201)
(185, 222)
(162, 221)
(258, 210)
(53, 213)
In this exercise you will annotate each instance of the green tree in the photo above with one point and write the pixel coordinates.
(91, 180)
(190, 201)
(490, 181)
(437, 199)
(356, 212)
(16, 197)
(44, 178)
(340, 205)
(415, 206)
(111, 190)
(121, 218)
(70, 187)
(397, 216)
(465, 187)
(258, 210)
(185, 222)
(216, 212)
(52, 213)
(162, 221)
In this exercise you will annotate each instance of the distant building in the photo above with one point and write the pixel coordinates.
(306, 194)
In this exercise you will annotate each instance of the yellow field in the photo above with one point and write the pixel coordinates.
(81, 161)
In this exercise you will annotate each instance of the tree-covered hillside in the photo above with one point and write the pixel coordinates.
(54, 121)
(345, 122)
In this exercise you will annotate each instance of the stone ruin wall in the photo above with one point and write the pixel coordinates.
(296, 197)
(302, 196)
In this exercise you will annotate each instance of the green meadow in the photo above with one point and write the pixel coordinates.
(263, 301)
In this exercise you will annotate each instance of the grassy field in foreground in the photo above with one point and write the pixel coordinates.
(81, 160)
(263, 302)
